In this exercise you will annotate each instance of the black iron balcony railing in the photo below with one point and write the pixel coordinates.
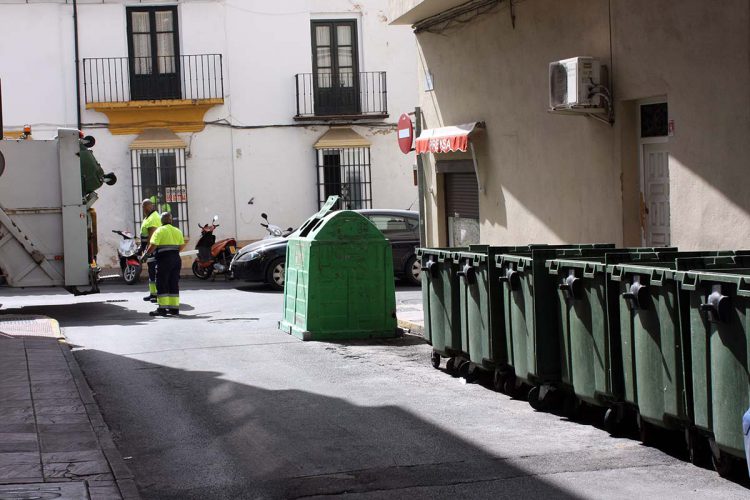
(326, 95)
(122, 79)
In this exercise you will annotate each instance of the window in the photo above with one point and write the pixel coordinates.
(345, 172)
(154, 53)
(394, 225)
(160, 175)
(335, 67)
(654, 120)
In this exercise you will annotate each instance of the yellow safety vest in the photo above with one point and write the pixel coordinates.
(166, 238)
(153, 220)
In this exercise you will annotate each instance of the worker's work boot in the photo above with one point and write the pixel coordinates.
(149, 298)
(160, 311)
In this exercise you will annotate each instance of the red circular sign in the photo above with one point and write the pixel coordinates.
(405, 133)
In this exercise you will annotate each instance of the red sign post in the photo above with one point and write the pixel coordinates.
(405, 133)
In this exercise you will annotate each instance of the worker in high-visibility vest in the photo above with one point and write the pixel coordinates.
(166, 244)
(151, 221)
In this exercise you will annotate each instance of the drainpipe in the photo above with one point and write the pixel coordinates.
(78, 73)
(421, 179)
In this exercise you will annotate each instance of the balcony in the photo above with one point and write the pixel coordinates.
(348, 97)
(163, 91)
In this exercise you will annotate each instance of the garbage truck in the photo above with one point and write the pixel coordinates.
(47, 220)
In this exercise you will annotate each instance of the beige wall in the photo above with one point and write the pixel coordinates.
(551, 178)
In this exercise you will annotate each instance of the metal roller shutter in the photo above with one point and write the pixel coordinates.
(461, 195)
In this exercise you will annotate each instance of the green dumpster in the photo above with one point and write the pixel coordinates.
(588, 327)
(339, 279)
(481, 312)
(440, 299)
(529, 299)
(655, 353)
(718, 326)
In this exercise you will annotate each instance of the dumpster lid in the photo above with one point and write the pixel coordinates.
(313, 221)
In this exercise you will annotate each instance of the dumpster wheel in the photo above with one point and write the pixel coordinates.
(534, 399)
(469, 372)
(572, 407)
(723, 463)
(435, 359)
(613, 419)
(646, 432)
(450, 365)
(504, 380)
(698, 448)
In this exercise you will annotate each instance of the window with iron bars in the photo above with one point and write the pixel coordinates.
(345, 172)
(160, 175)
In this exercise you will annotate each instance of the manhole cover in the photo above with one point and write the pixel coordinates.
(44, 491)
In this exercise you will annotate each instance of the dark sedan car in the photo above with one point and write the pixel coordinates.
(264, 260)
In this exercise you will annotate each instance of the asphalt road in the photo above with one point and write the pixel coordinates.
(220, 404)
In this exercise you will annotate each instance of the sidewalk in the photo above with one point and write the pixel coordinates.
(410, 315)
(53, 440)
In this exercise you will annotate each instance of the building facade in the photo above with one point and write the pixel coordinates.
(218, 107)
(660, 161)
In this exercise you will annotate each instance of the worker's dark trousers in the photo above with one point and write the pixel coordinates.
(168, 265)
(151, 263)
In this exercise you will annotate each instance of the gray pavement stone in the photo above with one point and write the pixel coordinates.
(76, 469)
(70, 418)
(45, 409)
(55, 393)
(23, 471)
(73, 456)
(17, 427)
(68, 441)
(128, 489)
(19, 457)
(99, 490)
(15, 403)
(57, 491)
(15, 392)
(46, 432)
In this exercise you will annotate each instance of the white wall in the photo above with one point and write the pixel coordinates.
(264, 44)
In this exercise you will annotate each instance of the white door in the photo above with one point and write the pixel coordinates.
(655, 175)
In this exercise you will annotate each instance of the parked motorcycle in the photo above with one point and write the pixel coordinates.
(213, 257)
(127, 253)
(274, 231)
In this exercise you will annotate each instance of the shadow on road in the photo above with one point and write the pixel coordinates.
(193, 434)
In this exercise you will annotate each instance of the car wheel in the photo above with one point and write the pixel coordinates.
(413, 271)
(275, 273)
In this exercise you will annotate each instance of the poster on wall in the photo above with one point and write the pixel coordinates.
(176, 194)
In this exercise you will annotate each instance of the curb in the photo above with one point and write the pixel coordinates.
(412, 328)
(123, 477)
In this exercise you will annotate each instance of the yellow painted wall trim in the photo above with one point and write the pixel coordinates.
(132, 117)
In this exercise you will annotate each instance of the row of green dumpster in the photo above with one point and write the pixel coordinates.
(653, 335)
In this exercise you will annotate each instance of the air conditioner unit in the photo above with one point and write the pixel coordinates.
(572, 85)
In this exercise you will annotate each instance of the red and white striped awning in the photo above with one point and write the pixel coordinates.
(446, 139)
